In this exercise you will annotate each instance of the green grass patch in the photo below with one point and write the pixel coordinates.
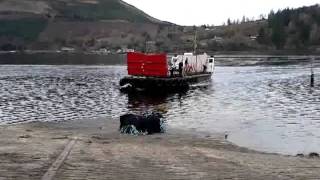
(26, 29)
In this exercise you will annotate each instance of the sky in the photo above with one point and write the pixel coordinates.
(212, 12)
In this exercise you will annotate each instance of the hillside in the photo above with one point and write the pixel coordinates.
(295, 28)
(38, 23)
(75, 10)
(287, 30)
(113, 24)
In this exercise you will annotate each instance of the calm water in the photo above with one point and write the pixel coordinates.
(265, 108)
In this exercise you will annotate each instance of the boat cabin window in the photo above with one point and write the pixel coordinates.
(210, 60)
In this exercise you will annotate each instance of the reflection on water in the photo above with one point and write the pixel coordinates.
(265, 108)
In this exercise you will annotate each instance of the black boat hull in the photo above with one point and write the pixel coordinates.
(157, 84)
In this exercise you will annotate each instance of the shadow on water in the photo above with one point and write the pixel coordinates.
(140, 102)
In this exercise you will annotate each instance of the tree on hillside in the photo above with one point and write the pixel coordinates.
(295, 27)
(229, 22)
(278, 36)
(146, 36)
(314, 37)
(262, 36)
(243, 19)
(262, 17)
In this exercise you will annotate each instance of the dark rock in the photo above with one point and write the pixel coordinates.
(88, 141)
(149, 124)
(60, 137)
(25, 136)
(300, 155)
(97, 137)
(314, 155)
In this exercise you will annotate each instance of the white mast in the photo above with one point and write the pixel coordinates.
(195, 45)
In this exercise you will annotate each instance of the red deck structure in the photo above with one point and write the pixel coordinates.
(149, 65)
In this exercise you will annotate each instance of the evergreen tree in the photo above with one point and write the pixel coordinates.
(229, 22)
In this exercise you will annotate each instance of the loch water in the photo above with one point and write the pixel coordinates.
(267, 108)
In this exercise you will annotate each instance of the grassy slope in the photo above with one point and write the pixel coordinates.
(28, 29)
(104, 10)
(79, 21)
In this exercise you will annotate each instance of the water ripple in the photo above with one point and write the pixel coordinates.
(266, 108)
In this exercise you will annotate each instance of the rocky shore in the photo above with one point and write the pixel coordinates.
(94, 149)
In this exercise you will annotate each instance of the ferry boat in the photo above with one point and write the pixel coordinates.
(166, 73)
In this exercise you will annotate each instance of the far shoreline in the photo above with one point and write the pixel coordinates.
(292, 52)
(223, 58)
